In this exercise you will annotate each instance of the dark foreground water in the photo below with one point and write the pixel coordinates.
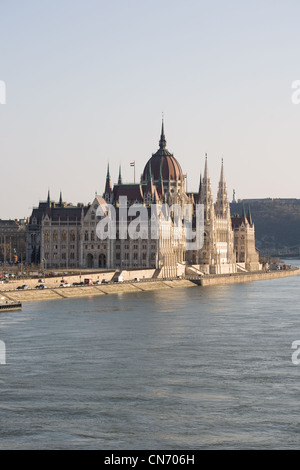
(193, 368)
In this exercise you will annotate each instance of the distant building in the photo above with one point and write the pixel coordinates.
(13, 240)
(53, 233)
(244, 242)
(63, 235)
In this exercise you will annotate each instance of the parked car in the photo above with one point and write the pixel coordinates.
(104, 281)
(136, 279)
(41, 280)
(96, 282)
(41, 286)
(65, 284)
(24, 286)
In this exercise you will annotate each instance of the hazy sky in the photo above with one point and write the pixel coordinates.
(87, 82)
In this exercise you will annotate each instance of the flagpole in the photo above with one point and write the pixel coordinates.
(133, 164)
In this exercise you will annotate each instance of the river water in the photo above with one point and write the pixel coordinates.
(192, 368)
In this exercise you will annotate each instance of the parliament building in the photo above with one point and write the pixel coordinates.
(62, 235)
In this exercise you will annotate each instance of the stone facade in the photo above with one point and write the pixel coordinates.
(13, 240)
(244, 242)
(63, 235)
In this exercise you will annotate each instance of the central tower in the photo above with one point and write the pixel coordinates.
(164, 170)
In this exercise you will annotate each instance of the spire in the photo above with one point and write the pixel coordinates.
(108, 189)
(205, 196)
(60, 199)
(200, 183)
(48, 197)
(222, 179)
(206, 174)
(120, 176)
(162, 142)
(200, 188)
(222, 202)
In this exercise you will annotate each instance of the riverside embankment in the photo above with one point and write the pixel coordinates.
(247, 277)
(53, 292)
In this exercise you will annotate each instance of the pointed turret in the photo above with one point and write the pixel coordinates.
(206, 174)
(48, 198)
(222, 202)
(120, 176)
(108, 189)
(207, 252)
(206, 193)
(244, 217)
(200, 186)
(162, 142)
(200, 183)
(60, 199)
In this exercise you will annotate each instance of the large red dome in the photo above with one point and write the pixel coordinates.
(163, 164)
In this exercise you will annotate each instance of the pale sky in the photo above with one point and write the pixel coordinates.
(87, 82)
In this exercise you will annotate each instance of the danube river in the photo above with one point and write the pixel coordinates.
(193, 368)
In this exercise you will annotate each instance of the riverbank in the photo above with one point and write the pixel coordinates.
(55, 293)
(247, 277)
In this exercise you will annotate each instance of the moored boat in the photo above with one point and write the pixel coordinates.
(10, 305)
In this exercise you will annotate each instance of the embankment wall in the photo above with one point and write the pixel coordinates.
(55, 292)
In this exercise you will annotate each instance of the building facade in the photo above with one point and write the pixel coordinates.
(13, 240)
(98, 236)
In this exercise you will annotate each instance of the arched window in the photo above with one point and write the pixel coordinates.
(102, 261)
(90, 260)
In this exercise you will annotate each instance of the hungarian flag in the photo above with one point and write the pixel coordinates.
(185, 176)
(132, 163)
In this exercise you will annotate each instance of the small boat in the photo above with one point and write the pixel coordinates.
(10, 305)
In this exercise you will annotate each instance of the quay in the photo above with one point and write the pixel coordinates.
(52, 292)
